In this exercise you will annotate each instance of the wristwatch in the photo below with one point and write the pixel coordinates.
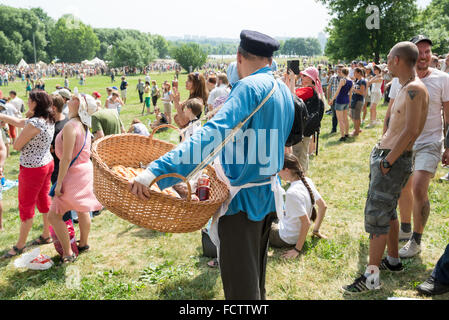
(385, 164)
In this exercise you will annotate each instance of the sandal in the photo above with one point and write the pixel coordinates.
(82, 249)
(41, 241)
(213, 263)
(17, 252)
(68, 259)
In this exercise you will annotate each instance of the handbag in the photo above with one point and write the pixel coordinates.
(53, 187)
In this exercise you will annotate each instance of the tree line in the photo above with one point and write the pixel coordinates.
(34, 36)
(353, 36)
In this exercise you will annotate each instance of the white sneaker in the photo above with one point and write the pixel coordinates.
(445, 178)
(404, 236)
(411, 249)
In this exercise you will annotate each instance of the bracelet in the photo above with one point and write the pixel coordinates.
(299, 251)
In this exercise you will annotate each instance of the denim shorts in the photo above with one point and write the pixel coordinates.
(384, 191)
(341, 107)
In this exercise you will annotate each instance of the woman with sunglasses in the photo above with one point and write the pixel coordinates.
(196, 85)
(74, 187)
(36, 166)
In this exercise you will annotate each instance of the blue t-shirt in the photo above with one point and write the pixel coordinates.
(123, 85)
(358, 85)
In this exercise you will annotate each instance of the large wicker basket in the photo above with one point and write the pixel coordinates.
(162, 212)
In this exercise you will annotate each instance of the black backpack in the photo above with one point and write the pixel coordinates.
(299, 124)
(315, 109)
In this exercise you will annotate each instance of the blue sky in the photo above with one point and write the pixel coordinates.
(278, 18)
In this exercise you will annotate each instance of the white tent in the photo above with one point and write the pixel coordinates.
(41, 64)
(97, 61)
(22, 64)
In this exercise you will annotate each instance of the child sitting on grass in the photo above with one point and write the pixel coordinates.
(160, 120)
(137, 127)
(291, 230)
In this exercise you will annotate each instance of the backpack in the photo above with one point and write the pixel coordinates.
(71, 229)
(315, 109)
(299, 124)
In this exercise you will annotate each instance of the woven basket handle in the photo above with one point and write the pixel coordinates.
(175, 175)
(160, 127)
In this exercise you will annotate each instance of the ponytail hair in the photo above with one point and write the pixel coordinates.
(291, 162)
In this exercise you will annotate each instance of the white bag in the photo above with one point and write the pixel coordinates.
(34, 260)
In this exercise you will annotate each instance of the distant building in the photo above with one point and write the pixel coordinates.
(322, 39)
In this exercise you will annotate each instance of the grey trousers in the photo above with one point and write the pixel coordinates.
(243, 255)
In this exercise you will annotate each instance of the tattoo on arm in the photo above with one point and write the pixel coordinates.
(412, 94)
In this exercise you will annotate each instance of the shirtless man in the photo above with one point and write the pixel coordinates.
(427, 152)
(390, 167)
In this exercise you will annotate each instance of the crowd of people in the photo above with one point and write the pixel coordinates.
(58, 129)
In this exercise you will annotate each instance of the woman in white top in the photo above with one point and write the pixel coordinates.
(300, 199)
(376, 94)
(114, 102)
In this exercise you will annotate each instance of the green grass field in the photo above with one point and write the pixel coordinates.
(128, 262)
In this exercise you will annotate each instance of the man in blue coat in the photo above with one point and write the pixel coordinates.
(249, 162)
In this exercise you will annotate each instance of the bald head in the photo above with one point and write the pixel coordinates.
(407, 52)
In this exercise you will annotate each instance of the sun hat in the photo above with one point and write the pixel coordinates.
(370, 66)
(87, 108)
(64, 93)
(313, 74)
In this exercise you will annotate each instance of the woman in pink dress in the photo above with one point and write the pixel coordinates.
(74, 187)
